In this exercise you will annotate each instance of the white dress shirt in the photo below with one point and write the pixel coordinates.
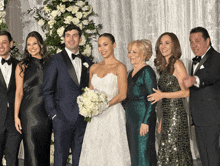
(77, 64)
(6, 71)
(194, 69)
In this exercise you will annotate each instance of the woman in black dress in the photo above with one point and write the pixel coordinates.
(31, 118)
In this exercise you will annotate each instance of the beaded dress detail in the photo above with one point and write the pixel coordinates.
(174, 148)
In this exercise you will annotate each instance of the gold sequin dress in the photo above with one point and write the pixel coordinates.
(174, 148)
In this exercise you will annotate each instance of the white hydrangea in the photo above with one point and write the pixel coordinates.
(85, 8)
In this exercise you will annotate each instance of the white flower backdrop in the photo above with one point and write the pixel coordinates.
(128, 20)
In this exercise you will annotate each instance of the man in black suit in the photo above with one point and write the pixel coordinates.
(205, 95)
(10, 138)
(65, 75)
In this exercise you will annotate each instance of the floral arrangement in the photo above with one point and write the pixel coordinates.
(57, 14)
(91, 103)
(3, 27)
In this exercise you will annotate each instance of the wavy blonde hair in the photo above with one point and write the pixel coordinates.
(144, 45)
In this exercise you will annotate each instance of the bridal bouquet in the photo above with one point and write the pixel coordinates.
(91, 103)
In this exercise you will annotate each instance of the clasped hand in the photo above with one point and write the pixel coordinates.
(155, 97)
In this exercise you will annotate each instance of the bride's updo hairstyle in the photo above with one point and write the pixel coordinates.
(160, 61)
(144, 45)
(108, 35)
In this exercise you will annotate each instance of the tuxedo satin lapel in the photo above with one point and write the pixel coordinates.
(84, 70)
(2, 80)
(192, 69)
(12, 79)
(69, 66)
(203, 60)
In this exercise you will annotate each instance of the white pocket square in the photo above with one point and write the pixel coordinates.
(202, 67)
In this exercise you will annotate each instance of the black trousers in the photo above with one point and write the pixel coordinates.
(208, 144)
(10, 140)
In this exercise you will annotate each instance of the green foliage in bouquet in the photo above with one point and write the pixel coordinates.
(57, 14)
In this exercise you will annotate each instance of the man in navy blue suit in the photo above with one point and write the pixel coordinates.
(65, 74)
(205, 95)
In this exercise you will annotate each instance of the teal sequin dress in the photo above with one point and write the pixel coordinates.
(139, 110)
(174, 148)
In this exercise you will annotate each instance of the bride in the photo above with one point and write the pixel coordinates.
(105, 141)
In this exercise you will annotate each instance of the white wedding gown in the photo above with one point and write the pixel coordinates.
(105, 140)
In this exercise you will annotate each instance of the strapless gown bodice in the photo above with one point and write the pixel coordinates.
(105, 141)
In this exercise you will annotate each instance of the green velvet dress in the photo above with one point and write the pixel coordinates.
(174, 148)
(139, 110)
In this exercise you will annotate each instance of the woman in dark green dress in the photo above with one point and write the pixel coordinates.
(140, 114)
(174, 148)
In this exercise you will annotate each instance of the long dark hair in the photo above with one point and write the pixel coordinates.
(160, 61)
(43, 50)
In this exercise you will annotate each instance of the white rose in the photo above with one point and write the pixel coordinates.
(51, 23)
(47, 10)
(79, 15)
(60, 31)
(62, 40)
(87, 51)
(68, 19)
(85, 22)
(85, 14)
(86, 64)
(75, 21)
(75, 9)
(58, 50)
(54, 13)
(2, 13)
(80, 3)
(61, 8)
(1, 21)
(83, 41)
(64, 0)
(85, 8)
(80, 25)
(41, 22)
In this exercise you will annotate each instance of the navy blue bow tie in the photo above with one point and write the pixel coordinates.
(74, 56)
(9, 61)
(196, 59)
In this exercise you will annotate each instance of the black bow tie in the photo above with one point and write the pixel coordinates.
(9, 61)
(74, 56)
(196, 59)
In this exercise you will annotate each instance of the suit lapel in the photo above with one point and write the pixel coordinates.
(12, 79)
(84, 70)
(2, 80)
(69, 66)
(203, 60)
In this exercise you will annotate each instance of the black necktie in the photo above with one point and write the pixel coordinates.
(74, 56)
(9, 61)
(196, 60)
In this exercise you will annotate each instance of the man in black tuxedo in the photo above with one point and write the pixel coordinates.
(205, 95)
(10, 138)
(65, 75)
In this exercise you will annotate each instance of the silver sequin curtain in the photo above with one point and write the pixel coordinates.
(134, 19)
